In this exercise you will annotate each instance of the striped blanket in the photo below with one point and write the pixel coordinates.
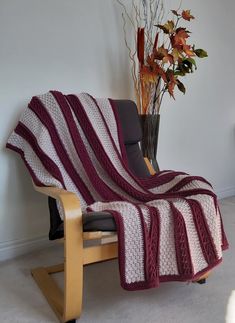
(169, 225)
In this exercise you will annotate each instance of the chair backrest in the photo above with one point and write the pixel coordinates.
(132, 135)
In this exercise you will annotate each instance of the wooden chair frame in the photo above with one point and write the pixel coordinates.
(67, 305)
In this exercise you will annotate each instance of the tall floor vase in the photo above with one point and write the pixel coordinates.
(150, 128)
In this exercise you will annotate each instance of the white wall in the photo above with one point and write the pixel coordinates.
(198, 129)
(77, 45)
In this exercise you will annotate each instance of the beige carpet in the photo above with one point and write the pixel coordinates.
(104, 300)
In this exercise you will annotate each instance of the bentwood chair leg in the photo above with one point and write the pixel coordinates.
(55, 296)
(73, 251)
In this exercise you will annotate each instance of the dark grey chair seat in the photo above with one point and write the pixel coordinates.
(93, 221)
(98, 221)
(132, 135)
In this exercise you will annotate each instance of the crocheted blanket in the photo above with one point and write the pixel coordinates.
(169, 225)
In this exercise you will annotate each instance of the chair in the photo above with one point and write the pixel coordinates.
(78, 227)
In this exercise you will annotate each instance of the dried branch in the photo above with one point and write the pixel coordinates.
(132, 58)
(149, 12)
(127, 14)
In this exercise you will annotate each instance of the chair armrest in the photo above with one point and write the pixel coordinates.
(51, 191)
(69, 201)
(70, 204)
(150, 167)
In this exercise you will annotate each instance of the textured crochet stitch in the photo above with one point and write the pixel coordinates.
(169, 225)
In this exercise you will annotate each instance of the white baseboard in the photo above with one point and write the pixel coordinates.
(227, 192)
(15, 248)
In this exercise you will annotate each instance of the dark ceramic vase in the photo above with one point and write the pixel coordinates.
(150, 128)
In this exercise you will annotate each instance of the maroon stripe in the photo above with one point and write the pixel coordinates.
(186, 181)
(48, 163)
(225, 243)
(184, 262)
(182, 194)
(123, 161)
(156, 180)
(205, 238)
(22, 155)
(103, 190)
(119, 129)
(37, 107)
(154, 242)
(187, 193)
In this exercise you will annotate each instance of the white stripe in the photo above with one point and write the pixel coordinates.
(167, 254)
(134, 244)
(196, 184)
(109, 117)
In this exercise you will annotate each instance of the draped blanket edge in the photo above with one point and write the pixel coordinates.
(169, 225)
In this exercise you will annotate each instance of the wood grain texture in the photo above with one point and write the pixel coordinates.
(50, 290)
(73, 254)
(150, 167)
(100, 253)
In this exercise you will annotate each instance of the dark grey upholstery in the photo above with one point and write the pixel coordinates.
(132, 135)
(98, 221)
(130, 122)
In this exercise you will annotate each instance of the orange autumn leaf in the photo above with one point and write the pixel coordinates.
(168, 59)
(147, 75)
(163, 55)
(168, 27)
(150, 73)
(171, 87)
(161, 73)
(175, 54)
(188, 51)
(187, 15)
(179, 39)
(172, 82)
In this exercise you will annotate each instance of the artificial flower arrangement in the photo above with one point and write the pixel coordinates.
(161, 58)
(161, 69)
